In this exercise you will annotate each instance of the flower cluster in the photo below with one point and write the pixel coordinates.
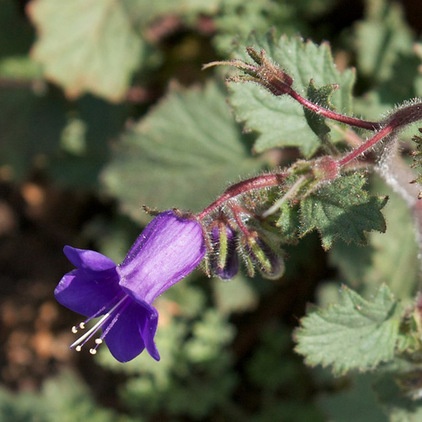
(170, 247)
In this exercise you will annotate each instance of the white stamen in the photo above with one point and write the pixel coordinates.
(98, 341)
(74, 329)
(93, 351)
(82, 325)
(77, 344)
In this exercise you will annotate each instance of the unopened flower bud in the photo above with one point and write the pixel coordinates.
(261, 254)
(224, 260)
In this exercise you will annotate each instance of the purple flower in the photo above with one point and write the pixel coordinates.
(167, 250)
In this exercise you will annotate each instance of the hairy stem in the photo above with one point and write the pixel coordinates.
(367, 145)
(255, 183)
(332, 115)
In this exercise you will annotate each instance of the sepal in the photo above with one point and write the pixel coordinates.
(224, 261)
(258, 251)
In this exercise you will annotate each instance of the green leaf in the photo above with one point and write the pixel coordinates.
(353, 335)
(288, 223)
(181, 155)
(280, 121)
(389, 257)
(320, 96)
(342, 210)
(86, 45)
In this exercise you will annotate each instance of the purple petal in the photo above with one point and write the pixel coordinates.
(169, 248)
(88, 260)
(87, 292)
(131, 330)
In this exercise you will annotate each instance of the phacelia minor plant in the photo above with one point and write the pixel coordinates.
(325, 189)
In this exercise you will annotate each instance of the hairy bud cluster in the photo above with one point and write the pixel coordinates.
(227, 240)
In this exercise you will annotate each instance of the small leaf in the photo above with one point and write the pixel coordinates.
(342, 209)
(280, 121)
(389, 257)
(181, 155)
(288, 223)
(86, 45)
(320, 96)
(355, 334)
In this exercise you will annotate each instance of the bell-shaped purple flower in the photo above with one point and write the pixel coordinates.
(167, 250)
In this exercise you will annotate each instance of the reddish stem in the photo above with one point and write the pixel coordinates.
(329, 114)
(361, 149)
(258, 182)
(236, 212)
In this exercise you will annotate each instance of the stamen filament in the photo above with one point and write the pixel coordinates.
(83, 339)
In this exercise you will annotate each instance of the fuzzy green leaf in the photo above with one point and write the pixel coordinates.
(389, 257)
(322, 97)
(342, 209)
(86, 45)
(181, 155)
(288, 223)
(355, 334)
(280, 121)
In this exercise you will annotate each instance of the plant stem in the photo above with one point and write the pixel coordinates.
(361, 149)
(255, 183)
(329, 114)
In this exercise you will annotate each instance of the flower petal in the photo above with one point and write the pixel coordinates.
(88, 260)
(131, 330)
(88, 292)
(168, 249)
